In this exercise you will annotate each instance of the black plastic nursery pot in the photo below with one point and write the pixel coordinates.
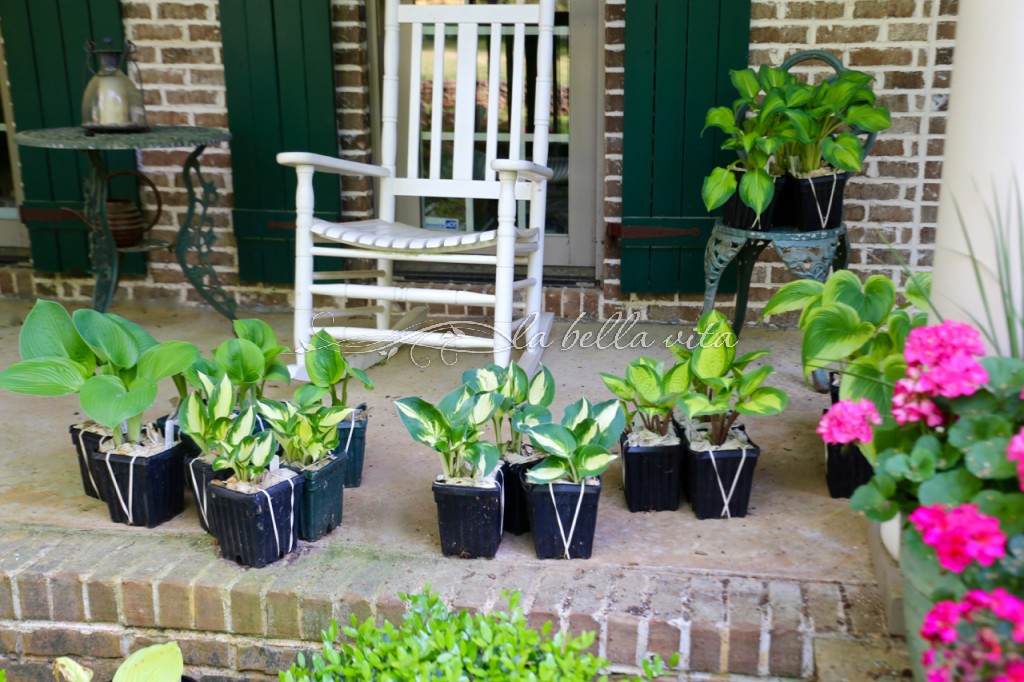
(653, 475)
(517, 514)
(559, 531)
(820, 202)
(737, 214)
(709, 472)
(86, 444)
(354, 447)
(846, 469)
(468, 520)
(199, 472)
(323, 497)
(143, 491)
(256, 529)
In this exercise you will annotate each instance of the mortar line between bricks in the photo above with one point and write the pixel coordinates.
(225, 601)
(807, 631)
(12, 577)
(685, 620)
(765, 636)
(643, 626)
(724, 628)
(155, 584)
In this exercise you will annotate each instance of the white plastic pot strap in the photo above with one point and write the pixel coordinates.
(85, 460)
(291, 518)
(832, 195)
(117, 488)
(500, 480)
(170, 431)
(200, 494)
(351, 430)
(726, 499)
(566, 541)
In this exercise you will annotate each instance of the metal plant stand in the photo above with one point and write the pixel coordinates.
(808, 255)
(195, 237)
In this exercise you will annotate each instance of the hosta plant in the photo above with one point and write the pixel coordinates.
(112, 364)
(155, 663)
(453, 428)
(306, 428)
(723, 387)
(578, 447)
(855, 329)
(241, 450)
(755, 138)
(329, 370)
(263, 337)
(524, 401)
(651, 391)
(207, 414)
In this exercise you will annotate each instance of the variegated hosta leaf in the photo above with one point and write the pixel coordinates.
(483, 408)
(677, 380)
(273, 410)
(192, 415)
(585, 431)
(482, 458)
(549, 469)
(714, 354)
(576, 413)
(763, 402)
(644, 379)
(553, 439)
(206, 382)
(483, 379)
(156, 663)
(611, 421)
(454, 405)
(619, 386)
(697, 405)
(592, 460)
(222, 399)
(529, 415)
(424, 422)
(542, 388)
(241, 427)
(263, 449)
(517, 384)
(335, 415)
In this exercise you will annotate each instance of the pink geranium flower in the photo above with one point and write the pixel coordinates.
(935, 344)
(960, 535)
(910, 405)
(1015, 453)
(849, 421)
(940, 623)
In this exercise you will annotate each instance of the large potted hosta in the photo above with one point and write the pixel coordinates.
(308, 433)
(564, 488)
(721, 456)
(154, 663)
(330, 371)
(467, 493)
(855, 332)
(652, 444)
(524, 402)
(255, 512)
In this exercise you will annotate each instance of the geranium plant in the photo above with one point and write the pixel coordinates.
(578, 447)
(651, 390)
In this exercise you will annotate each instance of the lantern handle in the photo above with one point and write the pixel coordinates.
(90, 49)
(129, 53)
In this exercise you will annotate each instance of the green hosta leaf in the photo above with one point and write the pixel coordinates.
(156, 663)
(553, 439)
(678, 379)
(618, 386)
(845, 152)
(167, 359)
(983, 440)
(867, 118)
(834, 333)
(310, 394)
(65, 670)
(542, 388)
(49, 332)
(741, 362)
(763, 402)
(757, 189)
(107, 339)
(278, 371)
(750, 382)
(44, 376)
(108, 401)
(324, 362)
(918, 289)
(260, 333)
(1007, 507)
(645, 381)
(798, 94)
(549, 469)
(361, 376)
(717, 188)
(715, 352)
(203, 374)
(773, 103)
(794, 295)
(956, 486)
(242, 361)
(879, 298)
(592, 460)
(801, 122)
(721, 118)
(864, 379)
(771, 77)
(746, 83)
(424, 422)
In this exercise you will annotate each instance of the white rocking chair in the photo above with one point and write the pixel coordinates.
(507, 180)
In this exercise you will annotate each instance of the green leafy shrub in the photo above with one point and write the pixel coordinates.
(434, 642)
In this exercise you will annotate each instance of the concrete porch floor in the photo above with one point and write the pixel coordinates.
(768, 595)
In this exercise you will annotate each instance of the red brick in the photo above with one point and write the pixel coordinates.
(172, 10)
(884, 9)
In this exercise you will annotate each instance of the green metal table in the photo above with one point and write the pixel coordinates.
(808, 255)
(196, 236)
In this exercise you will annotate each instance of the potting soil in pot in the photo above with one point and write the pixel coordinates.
(719, 478)
(469, 515)
(323, 496)
(563, 517)
(143, 485)
(256, 523)
(517, 516)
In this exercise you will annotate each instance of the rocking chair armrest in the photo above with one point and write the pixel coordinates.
(528, 169)
(330, 164)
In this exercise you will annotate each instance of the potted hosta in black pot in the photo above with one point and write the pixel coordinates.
(329, 370)
(468, 493)
(563, 490)
(652, 444)
(307, 431)
(524, 402)
(255, 512)
(721, 457)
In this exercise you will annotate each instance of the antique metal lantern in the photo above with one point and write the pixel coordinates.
(112, 103)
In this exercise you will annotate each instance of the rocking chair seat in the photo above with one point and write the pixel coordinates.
(388, 236)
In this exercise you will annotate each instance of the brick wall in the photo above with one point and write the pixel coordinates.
(906, 44)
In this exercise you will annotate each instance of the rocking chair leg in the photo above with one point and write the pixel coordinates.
(303, 262)
(505, 270)
(384, 316)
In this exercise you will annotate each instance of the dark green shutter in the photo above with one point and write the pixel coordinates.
(43, 40)
(279, 75)
(678, 57)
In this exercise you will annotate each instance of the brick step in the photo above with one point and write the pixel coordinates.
(101, 594)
